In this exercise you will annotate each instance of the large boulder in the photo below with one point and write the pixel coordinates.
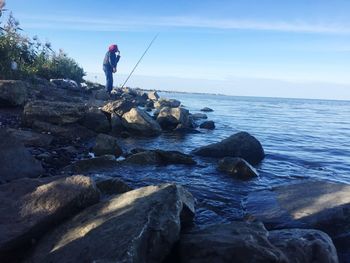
(171, 103)
(70, 131)
(199, 116)
(15, 160)
(304, 245)
(96, 120)
(13, 93)
(139, 226)
(30, 207)
(31, 138)
(169, 118)
(118, 107)
(139, 122)
(251, 242)
(55, 112)
(307, 204)
(236, 242)
(153, 95)
(241, 144)
(237, 167)
(159, 157)
(106, 144)
(209, 125)
(116, 124)
(111, 186)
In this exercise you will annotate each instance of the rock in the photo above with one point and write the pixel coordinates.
(206, 109)
(304, 245)
(169, 118)
(30, 207)
(94, 119)
(237, 167)
(199, 116)
(159, 157)
(55, 112)
(241, 144)
(66, 84)
(153, 95)
(100, 94)
(13, 93)
(116, 124)
(235, 242)
(106, 144)
(89, 165)
(171, 103)
(139, 226)
(307, 204)
(15, 160)
(112, 186)
(73, 131)
(139, 122)
(31, 138)
(209, 125)
(118, 107)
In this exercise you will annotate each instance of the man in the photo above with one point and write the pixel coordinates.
(110, 65)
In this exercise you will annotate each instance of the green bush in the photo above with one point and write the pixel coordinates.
(32, 58)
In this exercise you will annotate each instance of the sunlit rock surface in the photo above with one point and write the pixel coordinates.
(138, 226)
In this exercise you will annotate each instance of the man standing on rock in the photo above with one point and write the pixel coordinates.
(110, 65)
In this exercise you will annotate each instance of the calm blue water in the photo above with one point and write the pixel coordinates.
(301, 139)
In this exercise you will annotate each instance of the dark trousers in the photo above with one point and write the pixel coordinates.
(109, 78)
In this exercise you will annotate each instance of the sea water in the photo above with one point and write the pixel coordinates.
(302, 139)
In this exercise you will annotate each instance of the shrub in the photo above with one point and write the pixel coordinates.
(24, 57)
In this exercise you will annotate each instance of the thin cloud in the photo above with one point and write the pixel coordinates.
(144, 23)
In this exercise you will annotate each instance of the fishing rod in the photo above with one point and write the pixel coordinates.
(144, 53)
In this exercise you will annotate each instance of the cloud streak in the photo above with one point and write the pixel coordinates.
(177, 22)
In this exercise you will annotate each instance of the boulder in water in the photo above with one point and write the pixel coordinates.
(206, 109)
(139, 122)
(171, 103)
(169, 118)
(241, 144)
(237, 167)
(209, 125)
(138, 226)
(90, 165)
(199, 116)
(106, 144)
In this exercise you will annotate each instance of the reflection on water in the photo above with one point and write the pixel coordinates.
(301, 138)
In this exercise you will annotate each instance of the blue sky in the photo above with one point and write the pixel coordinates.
(292, 48)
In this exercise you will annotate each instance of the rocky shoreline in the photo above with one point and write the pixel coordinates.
(56, 135)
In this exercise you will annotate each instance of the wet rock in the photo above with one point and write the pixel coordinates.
(15, 160)
(241, 144)
(139, 122)
(169, 118)
(139, 226)
(153, 95)
(171, 103)
(13, 93)
(209, 125)
(159, 157)
(199, 116)
(72, 131)
(106, 144)
(304, 245)
(89, 165)
(118, 107)
(235, 242)
(55, 112)
(30, 207)
(206, 109)
(31, 138)
(112, 186)
(307, 204)
(237, 167)
(94, 119)
(66, 84)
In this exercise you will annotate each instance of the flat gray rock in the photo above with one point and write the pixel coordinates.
(139, 226)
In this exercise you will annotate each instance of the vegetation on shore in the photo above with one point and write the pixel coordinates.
(24, 57)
